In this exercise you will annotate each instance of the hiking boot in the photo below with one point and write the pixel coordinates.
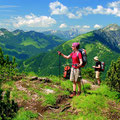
(78, 93)
(73, 94)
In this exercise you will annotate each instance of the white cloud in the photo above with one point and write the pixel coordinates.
(114, 4)
(97, 26)
(112, 9)
(34, 21)
(63, 25)
(58, 8)
(86, 26)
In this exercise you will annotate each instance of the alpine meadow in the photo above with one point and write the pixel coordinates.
(35, 87)
(60, 60)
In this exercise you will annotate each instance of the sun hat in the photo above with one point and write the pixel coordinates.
(96, 58)
(75, 44)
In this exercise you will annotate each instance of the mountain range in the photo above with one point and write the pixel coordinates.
(24, 45)
(65, 35)
(39, 51)
(103, 43)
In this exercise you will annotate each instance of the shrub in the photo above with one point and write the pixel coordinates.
(88, 73)
(113, 75)
(25, 115)
(8, 69)
(8, 108)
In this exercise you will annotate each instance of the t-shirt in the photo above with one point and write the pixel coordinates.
(75, 59)
(97, 63)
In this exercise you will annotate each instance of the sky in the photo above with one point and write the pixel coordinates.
(44, 15)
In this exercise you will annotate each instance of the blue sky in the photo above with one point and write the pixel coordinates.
(43, 15)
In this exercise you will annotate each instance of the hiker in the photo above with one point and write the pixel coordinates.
(75, 70)
(97, 69)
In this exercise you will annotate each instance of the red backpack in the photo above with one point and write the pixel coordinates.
(102, 67)
(66, 73)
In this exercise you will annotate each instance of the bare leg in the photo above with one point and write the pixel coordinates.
(74, 90)
(98, 81)
(79, 86)
(74, 86)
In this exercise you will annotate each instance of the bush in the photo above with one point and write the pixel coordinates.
(8, 69)
(113, 75)
(8, 108)
(25, 115)
(88, 73)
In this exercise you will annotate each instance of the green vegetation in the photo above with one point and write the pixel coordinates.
(24, 45)
(113, 75)
(8, 69)
(47, 97)
(93, 105)
(48, 64)
(8, 108)
(25, 115)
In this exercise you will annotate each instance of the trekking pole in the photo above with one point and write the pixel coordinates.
(59, 68)
(83, 87)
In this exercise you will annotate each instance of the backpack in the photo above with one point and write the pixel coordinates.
(67, 71)
(102, 66)
(84, 56)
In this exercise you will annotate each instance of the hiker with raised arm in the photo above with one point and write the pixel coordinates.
(75, 70)
(97, 69)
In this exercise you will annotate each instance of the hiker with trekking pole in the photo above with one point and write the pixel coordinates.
(76, 67)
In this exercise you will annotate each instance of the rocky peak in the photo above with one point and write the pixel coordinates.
(1, 33)
(16, 32)
(111, 27)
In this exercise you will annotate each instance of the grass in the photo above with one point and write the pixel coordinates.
(25, 115)
(104, 90)
(50, 99)
(89, 106)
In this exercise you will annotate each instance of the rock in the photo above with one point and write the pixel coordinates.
(49, 91)
(34, 78)
(45, 80)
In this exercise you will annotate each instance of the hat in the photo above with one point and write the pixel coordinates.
(75, 44)
(96, 58)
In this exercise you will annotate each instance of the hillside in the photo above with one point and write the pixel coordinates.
(94, 44)
(23, 45)
(24, 97)
(110, 36)
(48, 99)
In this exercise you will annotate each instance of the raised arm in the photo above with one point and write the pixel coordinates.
(65, 56)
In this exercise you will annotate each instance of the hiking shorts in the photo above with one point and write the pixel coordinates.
(97, 74)
(75, 75)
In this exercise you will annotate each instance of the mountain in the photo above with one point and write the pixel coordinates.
(23, 45)
(110, 36)
(95, 43)
(65, 35)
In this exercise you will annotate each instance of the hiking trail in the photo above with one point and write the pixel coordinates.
(28, 87)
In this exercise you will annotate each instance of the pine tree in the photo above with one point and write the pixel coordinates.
(113, 75)
(1, 57)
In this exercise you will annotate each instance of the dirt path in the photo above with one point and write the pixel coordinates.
(62, 102)
(93, 87)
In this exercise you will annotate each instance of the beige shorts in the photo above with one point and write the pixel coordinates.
(75, 75)
(97, 74)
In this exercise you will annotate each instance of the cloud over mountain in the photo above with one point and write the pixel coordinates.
(34, 21)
